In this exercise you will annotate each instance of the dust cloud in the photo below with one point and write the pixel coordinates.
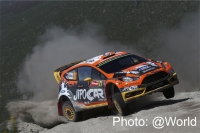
(180, 47)
(56, 47)
(59, 47)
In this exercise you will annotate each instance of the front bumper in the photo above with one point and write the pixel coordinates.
(145, 89)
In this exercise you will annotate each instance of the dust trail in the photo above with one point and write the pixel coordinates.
(41, 113)
(59, 47)
(55, 48)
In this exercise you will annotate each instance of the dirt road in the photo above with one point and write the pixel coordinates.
(184, 106)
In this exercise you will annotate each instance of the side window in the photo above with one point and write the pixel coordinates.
(96, 75)
(102, 76)
(84, 72)
(135, 60)
(71, 75)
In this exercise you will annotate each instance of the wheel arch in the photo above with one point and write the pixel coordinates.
(64, 98)
(61, 99)
(110, 89)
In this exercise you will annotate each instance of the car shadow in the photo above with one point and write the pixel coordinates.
(134, 107)
(153, 104)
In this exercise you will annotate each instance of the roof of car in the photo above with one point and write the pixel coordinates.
(95, 61)
(102, 59)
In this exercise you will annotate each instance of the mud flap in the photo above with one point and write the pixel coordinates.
(60, 113)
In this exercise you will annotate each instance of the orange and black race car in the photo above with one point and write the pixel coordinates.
(112, 79)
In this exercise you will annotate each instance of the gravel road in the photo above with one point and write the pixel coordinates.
(184, 107)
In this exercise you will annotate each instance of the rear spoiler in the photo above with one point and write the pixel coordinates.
(59, 70)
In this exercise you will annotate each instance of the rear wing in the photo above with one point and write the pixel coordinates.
(59, 70)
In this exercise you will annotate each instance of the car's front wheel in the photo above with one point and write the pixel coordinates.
(169, 93)
(120, 105)
(69, 112)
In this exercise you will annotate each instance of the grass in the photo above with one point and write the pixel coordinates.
(13, 128)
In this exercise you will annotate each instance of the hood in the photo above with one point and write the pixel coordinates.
(138, 69)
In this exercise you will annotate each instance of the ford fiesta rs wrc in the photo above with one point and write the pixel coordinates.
(113, 79)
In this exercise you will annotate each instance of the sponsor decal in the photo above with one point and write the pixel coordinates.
(82, 97)
(152, 64)
(96, 105)
(101, 99)
(92, 60)
(130, 88)
(128, 72)
(62, 91)
(87, 102)
(143, 67)
(67, 92)
(133, 84)
(146, 68)
(94, 83)
(80, 105)
(135, 72)
(152, 68)
(160, 61)
(122, 72)
(100, 83)
(91, 94)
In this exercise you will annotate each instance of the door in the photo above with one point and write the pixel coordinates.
(92, 92)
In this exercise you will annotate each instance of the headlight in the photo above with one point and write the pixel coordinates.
(129, 79)
(171, 72)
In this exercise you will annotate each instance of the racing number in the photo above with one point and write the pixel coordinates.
(100, 83)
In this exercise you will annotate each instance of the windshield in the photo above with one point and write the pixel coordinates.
(121, 63)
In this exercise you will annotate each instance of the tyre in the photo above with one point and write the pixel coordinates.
(69, 112)
(169, 93)
(120, 105)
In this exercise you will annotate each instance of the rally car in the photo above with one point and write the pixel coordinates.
(112, 79)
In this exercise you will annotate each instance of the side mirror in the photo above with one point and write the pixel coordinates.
(88, 79)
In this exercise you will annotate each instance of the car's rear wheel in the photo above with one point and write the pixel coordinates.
(69, 112)
(119, 103)
(169, 93)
